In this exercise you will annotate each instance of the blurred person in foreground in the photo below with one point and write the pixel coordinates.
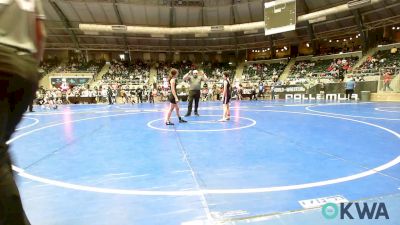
(22, 37)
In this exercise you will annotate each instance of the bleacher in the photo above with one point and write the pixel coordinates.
(265, 72)
(303, 71)
(212, 70)
(183, 67)
(48, 65)
(126, 73)
(81, 66)
(382, 59)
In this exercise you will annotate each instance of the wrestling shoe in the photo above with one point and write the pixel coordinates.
(168, 123)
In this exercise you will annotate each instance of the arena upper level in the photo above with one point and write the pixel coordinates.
(242, 22)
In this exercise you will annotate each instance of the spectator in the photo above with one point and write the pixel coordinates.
(139, 93)
(109, 95)
(254, 93)
(387, 79)
(273, 91)
(260, 89)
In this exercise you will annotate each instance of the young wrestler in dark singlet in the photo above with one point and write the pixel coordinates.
(173, 98)
(226, 97)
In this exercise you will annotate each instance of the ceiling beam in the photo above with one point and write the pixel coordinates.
(202, 24)
(361, 29)
(66, 23)
(157, 39)
(116, 11)
(334, 20)
(272, 46)
(172, 23)
(381, 8)
(165, 48)
(250, 14)
(234, 34)
(202, 14)
(310, 29)
(154, 48)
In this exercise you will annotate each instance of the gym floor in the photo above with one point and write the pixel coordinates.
(120, 164)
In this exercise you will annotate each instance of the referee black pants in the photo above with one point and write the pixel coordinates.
(349, 93)
(18, 84)
(193, 95)
(12, 106)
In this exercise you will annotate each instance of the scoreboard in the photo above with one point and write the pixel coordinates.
(279, 16)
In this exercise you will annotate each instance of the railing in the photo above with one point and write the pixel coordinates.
(67, 70)
(366, 72)
(315, 75)
(125, 82)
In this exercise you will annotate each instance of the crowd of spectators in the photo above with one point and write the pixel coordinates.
(380, 60)
(79, 64)
(304, 71)
(97, 94)
(48, 65)
(264, 72)
(183, 67)
(212, 70)
(131, 80)
(126, 72)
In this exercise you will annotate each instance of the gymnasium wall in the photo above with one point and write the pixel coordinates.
(335, 88)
